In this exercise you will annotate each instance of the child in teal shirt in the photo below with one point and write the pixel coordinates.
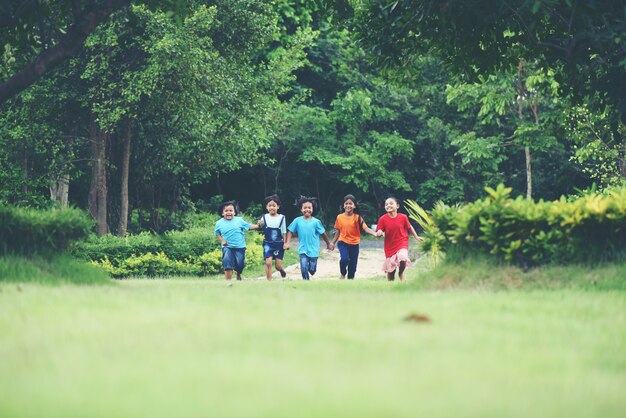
(308, 230)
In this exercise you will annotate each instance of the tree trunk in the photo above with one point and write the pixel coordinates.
(93, 184)
(529, 174)
(24, 173)
(98, 185)
(126, 137)
(521, 95)
(103, 226)
(60, 189)
(621, 147)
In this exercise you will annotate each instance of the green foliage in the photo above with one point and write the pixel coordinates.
(485, 273)
(176, 245)
(49, 270)
(29, 231)
(419, 215)
(193, 251)
(159, 264)
(589, 229)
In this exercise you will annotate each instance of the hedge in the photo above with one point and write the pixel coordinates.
(25, 231)
(194, 252)
(588, 229)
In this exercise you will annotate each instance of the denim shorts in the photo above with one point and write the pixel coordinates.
(233, 258)
(275, 253)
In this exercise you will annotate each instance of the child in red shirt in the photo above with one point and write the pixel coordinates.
(396, 227)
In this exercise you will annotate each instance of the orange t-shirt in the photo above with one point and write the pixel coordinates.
(349, 228)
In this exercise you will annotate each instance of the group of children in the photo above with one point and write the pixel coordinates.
(394, 226)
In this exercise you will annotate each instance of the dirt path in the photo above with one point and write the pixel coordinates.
(370, 264)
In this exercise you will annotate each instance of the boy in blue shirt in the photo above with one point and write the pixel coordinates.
(230, 231)
(309, 230)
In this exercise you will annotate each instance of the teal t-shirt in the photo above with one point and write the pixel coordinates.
(309, 232)
(232, 231)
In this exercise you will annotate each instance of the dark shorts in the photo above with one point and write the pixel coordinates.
(233, 258)
(273, 252)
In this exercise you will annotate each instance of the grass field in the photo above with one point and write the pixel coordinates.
(194, 347)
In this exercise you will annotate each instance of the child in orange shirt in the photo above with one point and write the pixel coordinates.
(348, 226)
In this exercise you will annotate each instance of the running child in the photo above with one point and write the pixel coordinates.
(396, 227)
(230, 231)
(275, 229)
(348, 225)
(309, 230)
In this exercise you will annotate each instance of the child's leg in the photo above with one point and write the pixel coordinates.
(240, 260)
(401, 270)
(353, 255)
(279, 268)
(344, 258)
(268, 268)
(312, 265)
(391, 276)
(304, 266)
(228, 262)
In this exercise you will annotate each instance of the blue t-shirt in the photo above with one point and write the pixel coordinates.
(232, 231)
(309, 232)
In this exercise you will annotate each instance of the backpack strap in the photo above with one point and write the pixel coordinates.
(281, 221)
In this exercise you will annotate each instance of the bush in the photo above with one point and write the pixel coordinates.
(151, 264)
(589, 229)
(176, 245)
(26, 231)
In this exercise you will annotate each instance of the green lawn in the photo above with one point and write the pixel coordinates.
(195, 347)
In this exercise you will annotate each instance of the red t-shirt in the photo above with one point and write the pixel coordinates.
(396, 232)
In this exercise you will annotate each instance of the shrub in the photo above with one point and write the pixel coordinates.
(151, 264)
(591, 228)
(26, 231)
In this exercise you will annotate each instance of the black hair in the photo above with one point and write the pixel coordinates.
(233, 203)
(304, 199)
(356, 208)
(272, 198)
(350, 197)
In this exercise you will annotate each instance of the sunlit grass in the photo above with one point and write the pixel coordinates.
(195, 347)
(52, 269)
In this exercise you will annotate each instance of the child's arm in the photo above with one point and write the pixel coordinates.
(369, 230)
(286, 244)
(335, 238)
(329, 246)
(254, 226)
(417, 237)
(222, 240)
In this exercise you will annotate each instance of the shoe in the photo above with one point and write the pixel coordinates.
(283, 273)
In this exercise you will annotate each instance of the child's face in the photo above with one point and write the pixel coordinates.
(272, 207)
(307, 209)
(348, 206)
(228, 212)
(391, 205)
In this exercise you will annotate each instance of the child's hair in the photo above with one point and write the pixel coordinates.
(356, 208)
(304, 199)
(350, 197)
(272, 198)
(233, 203)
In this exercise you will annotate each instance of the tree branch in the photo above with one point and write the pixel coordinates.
(69, 45)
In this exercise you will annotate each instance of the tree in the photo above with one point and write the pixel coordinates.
(585, 39)
(57, 29)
